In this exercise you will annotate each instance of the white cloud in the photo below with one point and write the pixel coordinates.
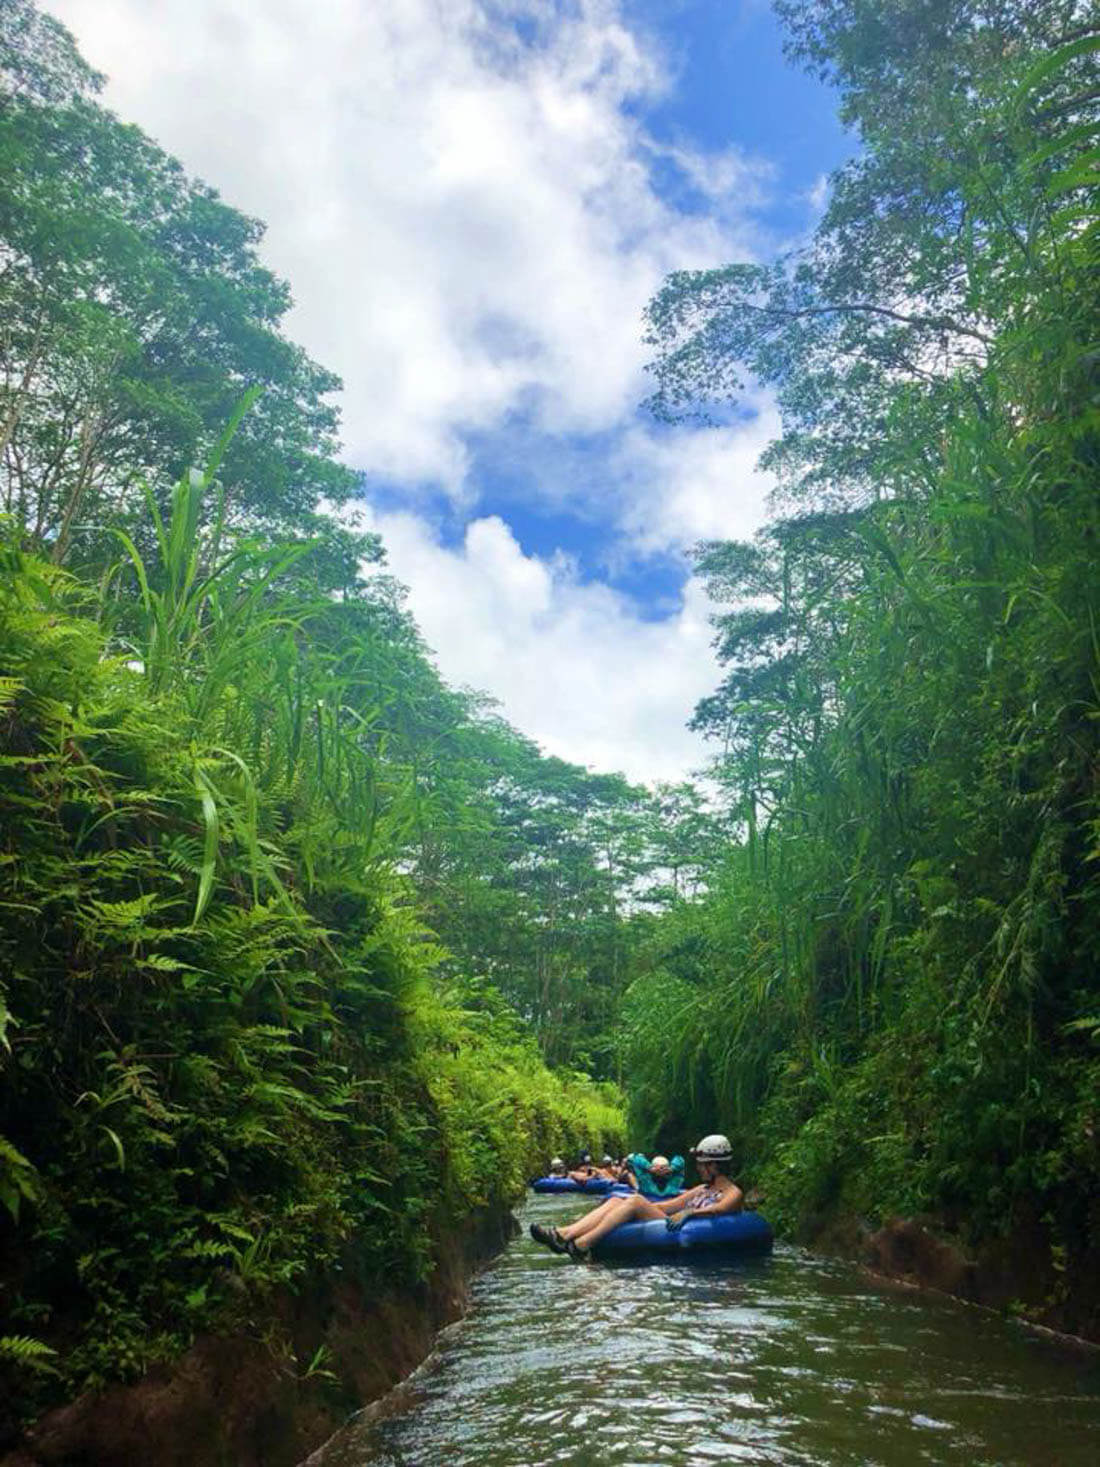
(571, 662)
(817, 196)
(468, 222)
(471, 228)
(677, 488)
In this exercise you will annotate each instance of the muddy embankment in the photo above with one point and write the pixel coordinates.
(1019, 1274)
(235, 1401)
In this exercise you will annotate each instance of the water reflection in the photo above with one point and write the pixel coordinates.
(790, 1360)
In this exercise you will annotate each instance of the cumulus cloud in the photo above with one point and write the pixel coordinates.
(678, 488)
(459, 193)
(464, 197)
(570, 661)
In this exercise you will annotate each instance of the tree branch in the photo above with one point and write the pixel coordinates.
(941, 323)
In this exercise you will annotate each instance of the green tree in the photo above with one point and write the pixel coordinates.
(135, 313)
(889, 986)
(934, 238)
(534, 892)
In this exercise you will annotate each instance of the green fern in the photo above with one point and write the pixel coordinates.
(24, 1351)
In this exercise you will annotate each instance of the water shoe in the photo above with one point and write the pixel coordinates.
(548, 1237)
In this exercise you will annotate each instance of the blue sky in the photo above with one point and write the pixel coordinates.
(733, 84)
(472, 201)
(729, 83)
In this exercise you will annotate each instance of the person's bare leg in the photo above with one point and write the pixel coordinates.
(625, 1209)
(571, 1229)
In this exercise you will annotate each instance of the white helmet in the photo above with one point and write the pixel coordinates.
(557, 1162)
(659, 1164)
(713, 1148)
(607, 1160)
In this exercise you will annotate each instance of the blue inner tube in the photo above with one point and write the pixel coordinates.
(595, 1186)
(736, 1232)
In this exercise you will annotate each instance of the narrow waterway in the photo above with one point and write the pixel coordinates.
(789, 1359)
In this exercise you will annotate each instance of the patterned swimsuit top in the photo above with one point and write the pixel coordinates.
(705, 1199)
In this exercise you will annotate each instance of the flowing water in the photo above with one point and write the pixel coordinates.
(788, 1359)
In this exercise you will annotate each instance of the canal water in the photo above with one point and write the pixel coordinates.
(791, 1359)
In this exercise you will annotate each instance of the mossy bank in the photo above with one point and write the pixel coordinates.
(247, 1398)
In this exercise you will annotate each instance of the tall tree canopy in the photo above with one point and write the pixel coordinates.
(890, 985)
(935, 236)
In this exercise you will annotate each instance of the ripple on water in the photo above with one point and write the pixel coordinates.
(792, 1360)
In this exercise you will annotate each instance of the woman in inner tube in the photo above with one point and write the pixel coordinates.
(713, 1197)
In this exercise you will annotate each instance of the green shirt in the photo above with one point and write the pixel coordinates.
(651, 1186)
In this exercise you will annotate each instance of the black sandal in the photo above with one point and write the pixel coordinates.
(577, 1253)
(548, 1237)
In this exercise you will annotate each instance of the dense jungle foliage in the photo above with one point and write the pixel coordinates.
(306, 955)
(234, 795)
(230, 1057)
(890, 989)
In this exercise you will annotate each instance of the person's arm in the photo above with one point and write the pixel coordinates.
(673, 1206)
(643, 1174)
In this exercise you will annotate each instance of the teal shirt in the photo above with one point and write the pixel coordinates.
(649, 1186)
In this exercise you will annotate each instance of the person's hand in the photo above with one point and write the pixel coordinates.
(676, 1221)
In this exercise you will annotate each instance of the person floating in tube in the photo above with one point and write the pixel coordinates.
(715, 1195)
(658, 1178)
(590, 1171)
